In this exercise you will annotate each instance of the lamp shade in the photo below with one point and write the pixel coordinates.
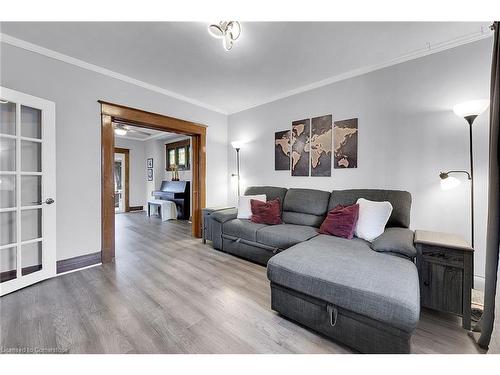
(471, 108)
(237, 144)
(449, 183)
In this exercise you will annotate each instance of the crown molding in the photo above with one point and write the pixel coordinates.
(5, 38)
(428, 50)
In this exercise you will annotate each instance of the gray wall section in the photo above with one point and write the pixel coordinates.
(75, 92)
(407, 134)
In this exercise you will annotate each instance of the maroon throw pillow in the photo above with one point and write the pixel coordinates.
(341, 221)
(266, 212)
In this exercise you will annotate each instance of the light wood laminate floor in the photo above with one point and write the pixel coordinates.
(169, 293)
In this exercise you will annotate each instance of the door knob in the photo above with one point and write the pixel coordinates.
(46, 201)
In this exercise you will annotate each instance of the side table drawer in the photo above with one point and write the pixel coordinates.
(436, 254)
(441, 287)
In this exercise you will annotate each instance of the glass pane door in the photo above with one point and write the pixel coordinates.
(24, 205)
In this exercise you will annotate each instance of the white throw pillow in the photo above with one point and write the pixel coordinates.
(373, 216)
(244, 208)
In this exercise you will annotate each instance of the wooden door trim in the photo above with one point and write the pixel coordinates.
(150, 120)
(126, 152)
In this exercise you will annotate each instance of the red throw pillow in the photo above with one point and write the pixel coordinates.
(341, 221)
(266, 212)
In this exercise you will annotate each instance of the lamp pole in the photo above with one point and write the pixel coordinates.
(237, 146)
(470, 120)
(238, 168)
(469, 111)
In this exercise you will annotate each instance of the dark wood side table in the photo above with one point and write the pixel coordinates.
(445, 267)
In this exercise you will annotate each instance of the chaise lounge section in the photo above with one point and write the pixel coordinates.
(366, 299)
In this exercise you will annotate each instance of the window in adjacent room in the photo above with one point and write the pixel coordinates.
(177, 153)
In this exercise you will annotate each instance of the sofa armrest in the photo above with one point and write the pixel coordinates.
(396, 240)
(225, 215)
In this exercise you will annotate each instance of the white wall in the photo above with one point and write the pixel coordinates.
(407, 134)
(138, 178)
(155, 149)
(75, 92)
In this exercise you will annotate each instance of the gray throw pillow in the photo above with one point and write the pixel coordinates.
(395, 240)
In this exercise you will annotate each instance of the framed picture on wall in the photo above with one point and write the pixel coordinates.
(150, 174)
(150, 163)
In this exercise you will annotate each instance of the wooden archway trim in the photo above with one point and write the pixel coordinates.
(111, 112)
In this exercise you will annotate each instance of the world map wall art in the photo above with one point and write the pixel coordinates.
(301, 132)
(320, 146)
(310, 145)
(345, 140)
(282, 149)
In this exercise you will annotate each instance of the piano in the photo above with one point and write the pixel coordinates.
(177, 192)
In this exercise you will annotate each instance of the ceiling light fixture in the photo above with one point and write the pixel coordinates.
(120, 130)
(3, 101)
(228, 31)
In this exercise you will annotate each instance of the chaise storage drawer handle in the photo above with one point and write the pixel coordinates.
(333, 314)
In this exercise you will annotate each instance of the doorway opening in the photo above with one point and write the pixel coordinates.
(116, 116)
(122, 178)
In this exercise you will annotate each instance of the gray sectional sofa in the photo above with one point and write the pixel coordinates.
(363, 295)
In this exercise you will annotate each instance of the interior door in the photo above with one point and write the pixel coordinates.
(27, 190)
(119, 182)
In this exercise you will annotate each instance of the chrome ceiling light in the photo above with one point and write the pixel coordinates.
(228, 31)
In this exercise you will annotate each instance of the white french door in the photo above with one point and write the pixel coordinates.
(27, 190)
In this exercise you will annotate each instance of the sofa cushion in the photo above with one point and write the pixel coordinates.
(305, 206)
(283, 236)
(245, 206)
(266, 212)
(400, 201)
(373, 217)
(350, 275)
(271, 192)
(240, 228)
(395, 240)
(341, 221)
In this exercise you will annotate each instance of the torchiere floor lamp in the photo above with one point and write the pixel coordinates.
(469, 111)
(237, 146)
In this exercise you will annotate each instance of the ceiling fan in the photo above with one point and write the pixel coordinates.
(122, 128)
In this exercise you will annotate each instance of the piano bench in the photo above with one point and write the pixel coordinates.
(166, 209)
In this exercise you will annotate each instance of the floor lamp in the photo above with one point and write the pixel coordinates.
(468, 111)
(237, 146)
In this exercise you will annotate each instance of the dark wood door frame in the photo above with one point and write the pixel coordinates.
(126, 195)
(111, 112)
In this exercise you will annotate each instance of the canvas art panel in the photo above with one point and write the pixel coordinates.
(150, 174)
(320, 146)
(301, 131)
(150, 163)
(345, 143)
(282, 150)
